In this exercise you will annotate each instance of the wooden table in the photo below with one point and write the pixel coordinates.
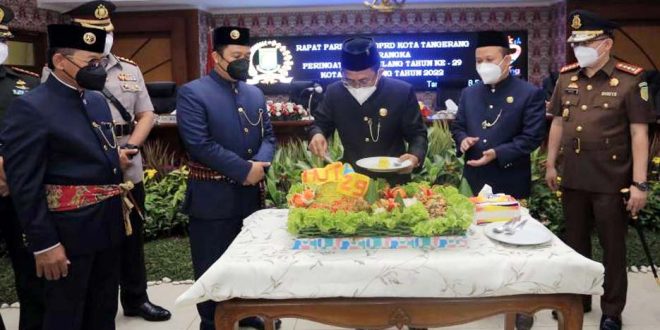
(379, 313)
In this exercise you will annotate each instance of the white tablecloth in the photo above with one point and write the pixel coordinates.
(261, 264)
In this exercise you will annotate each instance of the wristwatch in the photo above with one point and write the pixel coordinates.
(643, 186)
(129, 146)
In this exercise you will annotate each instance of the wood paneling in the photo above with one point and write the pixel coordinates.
(177, 30)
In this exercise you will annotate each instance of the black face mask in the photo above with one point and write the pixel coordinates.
(90, 77)
(238, 69)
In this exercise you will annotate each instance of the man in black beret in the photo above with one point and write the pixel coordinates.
(601, 114)
(65, 178)
(15, 82)
(500, 122)
(132, 112)
(226, 130)
(374, 115)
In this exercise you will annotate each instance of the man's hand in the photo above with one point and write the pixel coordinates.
(551, 178)
(4, 189)
(413, 160)
(467, 143)
(487, 157)
(318, 145)
(637, 200)
(125, 157)
(256, 174)
(52, 264)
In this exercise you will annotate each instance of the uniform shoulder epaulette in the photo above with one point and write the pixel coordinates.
(123, 59)
(569, 67)
(29, 73)
(629, 68)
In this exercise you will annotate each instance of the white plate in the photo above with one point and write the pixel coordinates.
(372, 163)
(533, 233)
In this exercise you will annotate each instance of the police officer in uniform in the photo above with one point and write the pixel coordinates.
(374, 115)
(499, 123)
(132, 113)
(63, 169)
(226, 130)
(15, 82)
(600, 127)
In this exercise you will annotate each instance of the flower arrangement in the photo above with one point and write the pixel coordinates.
(286, 111)
(424, 110)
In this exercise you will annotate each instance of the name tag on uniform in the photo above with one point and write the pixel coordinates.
(611, 94)
(571, 91)
(19, 92)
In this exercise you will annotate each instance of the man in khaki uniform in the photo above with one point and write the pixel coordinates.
(600, 126)
(125, 88)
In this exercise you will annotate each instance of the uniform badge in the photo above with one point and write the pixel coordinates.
(89, 38)
(614, 82)
(566, 113)
(101, 12)
(644, 90)
(576, 24)
(234, 34)
(20, 88)
(2, 14)
(574, 78)
(123, 76)
(382, 112)
(573, 85)
(509, 99)
(20, 84)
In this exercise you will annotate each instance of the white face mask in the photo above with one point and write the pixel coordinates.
(586, 56)
(490, 73)
(109, 39)
(363, 93)
(4, 52)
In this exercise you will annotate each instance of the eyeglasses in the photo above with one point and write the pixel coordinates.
(365, 82)
(95, 62)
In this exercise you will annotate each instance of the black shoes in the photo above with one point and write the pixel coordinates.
(257, 323)
(524, 322)
(149, 312)
(610, 323)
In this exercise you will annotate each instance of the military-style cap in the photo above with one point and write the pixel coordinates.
(586, 26)
(6, 15)
(494, 39)
(76, 37)
(94, 14)
(231, 35)
(359, 53)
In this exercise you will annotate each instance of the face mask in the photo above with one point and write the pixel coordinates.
(586, 56)
(109, 39)
(4, 52)
(237, 69)
(90, 77)
(363, 93)
(490, 73)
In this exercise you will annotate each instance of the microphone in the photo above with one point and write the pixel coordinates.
(318, 89)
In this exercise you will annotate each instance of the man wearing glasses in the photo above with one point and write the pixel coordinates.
(600, 127)
(63, 170)
(132, 112)
(374, 115)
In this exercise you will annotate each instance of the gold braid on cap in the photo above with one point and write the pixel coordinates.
(102, 24)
